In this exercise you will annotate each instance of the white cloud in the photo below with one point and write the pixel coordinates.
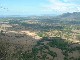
(63, 6)
(72, 1)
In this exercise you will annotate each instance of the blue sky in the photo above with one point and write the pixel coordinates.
(38, 7)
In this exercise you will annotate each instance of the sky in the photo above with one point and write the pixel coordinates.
(38, 7)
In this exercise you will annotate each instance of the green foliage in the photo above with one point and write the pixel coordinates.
(35, 51)
(44, 56)
(26, 56)
(53, 54)
(59, 43)
(66, 58)
(1, 32)
(40, 34)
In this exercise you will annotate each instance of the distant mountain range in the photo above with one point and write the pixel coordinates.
(12, 15)
(70, 16)
(64, 16)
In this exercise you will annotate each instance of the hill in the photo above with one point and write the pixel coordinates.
(70, 16)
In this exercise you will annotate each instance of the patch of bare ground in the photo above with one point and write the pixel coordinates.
(74, 54)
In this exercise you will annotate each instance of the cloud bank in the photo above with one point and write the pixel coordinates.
(62, 6)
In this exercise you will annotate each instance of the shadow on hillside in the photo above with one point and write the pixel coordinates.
(47, 48)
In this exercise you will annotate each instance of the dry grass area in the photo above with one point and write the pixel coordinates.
(32, 34)
(72, 37)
